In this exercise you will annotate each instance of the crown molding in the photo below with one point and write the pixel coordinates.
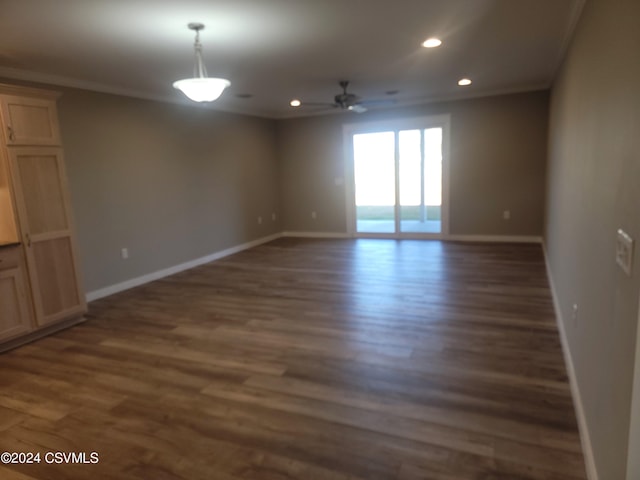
(68, 82)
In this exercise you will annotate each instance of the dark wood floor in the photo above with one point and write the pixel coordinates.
(308, 359)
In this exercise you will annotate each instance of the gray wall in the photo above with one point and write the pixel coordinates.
(172, 183)
(594, 189)
(498, 161)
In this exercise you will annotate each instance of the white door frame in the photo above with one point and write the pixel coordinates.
(413, 123)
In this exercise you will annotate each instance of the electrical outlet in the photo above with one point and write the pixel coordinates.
(124, 253)
(574, 313)
(273, 217)
(506, 215)
(259, 220)
(314, 215)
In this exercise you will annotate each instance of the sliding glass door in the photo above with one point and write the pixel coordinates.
(398, 180)
(375, 188)
(420, 172)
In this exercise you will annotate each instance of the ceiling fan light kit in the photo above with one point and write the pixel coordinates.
(201, 88)
(348, 101)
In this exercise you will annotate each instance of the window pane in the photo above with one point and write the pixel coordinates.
(374, 171)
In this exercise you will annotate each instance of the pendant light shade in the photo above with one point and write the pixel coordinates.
(201, 88)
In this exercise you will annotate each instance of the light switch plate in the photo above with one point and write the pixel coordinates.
(624, 251)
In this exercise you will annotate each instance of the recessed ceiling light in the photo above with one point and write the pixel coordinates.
(463, 82)
(432, 42)
(295, 103)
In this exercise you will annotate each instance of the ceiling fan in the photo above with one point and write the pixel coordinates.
(349, 101)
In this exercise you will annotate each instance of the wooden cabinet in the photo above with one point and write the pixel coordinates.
(8, 230)
(36, 196)
(29, 120)
(15, 314)
(40, 189)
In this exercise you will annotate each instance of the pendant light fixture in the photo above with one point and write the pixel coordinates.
(201, 88)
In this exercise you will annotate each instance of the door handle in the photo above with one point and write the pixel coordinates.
(28, 238)
(11, 135)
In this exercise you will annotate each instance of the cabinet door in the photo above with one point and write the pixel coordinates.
(42, 199)
(8, 232)
(29, 121)
(14, 311)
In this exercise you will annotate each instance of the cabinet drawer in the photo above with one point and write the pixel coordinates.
(9, 258)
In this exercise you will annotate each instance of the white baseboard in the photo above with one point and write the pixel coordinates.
(150, 277)
(494, 238)
(454, 237)
(585, 438)
(316, 234)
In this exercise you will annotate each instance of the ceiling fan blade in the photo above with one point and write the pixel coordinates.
(382, 102)
(318, 104)
(358, 108)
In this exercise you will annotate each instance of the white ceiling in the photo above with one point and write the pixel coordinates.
(276, 50)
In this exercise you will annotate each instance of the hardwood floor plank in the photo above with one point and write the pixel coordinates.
(446, 416)
(287, 434)
(185, 353)
(10, 474)
(412, 429)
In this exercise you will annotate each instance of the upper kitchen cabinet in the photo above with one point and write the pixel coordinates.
(30, 120)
